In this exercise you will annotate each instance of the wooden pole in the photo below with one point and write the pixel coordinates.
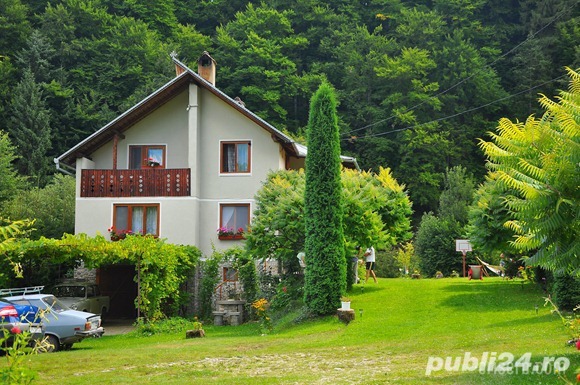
(115, 144)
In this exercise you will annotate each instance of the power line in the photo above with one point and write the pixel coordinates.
(530, 37)
(459, 113)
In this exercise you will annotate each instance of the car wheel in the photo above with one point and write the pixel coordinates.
(49, 344)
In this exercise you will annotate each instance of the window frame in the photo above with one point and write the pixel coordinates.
(221, 218)
(222, 145)
(227, 269)
(144, 164)
(130, 215)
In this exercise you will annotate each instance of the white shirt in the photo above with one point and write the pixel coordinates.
(371, 254)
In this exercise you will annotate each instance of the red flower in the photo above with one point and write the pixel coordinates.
(578, 344)
(578, 377)
(284, 289)
(15, 330)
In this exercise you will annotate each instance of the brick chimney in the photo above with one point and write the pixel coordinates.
(178, 68)
(206, 67)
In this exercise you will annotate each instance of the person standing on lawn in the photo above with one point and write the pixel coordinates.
(370, 263)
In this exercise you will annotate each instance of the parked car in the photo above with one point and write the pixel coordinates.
(16, 319)
(63, 326)
(82, 296)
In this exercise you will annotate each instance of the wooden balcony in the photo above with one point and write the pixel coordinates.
(154, 182)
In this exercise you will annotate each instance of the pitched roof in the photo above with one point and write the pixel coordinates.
(160, 97)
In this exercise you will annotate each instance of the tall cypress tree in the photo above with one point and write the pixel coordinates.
(325, 275)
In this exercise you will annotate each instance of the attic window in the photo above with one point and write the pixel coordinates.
(151, 156)
(235, 157)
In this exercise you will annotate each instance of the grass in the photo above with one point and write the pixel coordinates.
(403, 323)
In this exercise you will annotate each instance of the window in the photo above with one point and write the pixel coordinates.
(235, 157)
(143, 219)
(230, 274)
(146, 157)
(234, 218)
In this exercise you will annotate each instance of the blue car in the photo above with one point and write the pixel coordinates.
(63, 326)
(15, 319)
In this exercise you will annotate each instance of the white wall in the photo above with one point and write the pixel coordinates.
(188, 220)
(167, 125)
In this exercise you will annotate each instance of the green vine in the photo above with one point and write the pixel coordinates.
(163, 267)
(209, 280)
(243, 262)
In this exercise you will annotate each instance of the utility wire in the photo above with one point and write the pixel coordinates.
(531, 36)
(459, 113)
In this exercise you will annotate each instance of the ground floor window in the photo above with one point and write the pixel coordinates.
(230, 274)
(142, 219)
(234, 220)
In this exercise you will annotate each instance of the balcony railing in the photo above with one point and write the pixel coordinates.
(154, 182)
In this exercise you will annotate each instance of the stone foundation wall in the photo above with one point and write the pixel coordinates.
(81, 273)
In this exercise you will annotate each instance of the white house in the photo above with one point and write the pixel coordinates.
(180, 164)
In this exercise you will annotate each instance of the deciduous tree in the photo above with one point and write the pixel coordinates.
(540, 159)
(487, 215)
(52, 207)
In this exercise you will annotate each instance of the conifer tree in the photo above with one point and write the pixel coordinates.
(29, 127)
(325, 273)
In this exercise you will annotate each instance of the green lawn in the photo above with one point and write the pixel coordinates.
(404, 322)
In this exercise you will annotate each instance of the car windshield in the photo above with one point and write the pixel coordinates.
(50, 301)
(69, 291)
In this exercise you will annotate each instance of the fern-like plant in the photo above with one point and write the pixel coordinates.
(539, 159)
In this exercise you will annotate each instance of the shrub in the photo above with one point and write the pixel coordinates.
(169, 325)
(387, 265)
(210, 279)
(435, 246)
(566, 292)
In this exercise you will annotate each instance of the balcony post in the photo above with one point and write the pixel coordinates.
(115, 143)
(116, 138)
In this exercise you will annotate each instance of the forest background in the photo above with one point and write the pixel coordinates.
(418, 82)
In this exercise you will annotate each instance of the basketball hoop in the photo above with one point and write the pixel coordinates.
(464, 246)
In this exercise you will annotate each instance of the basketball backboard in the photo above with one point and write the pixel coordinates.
(462, 245)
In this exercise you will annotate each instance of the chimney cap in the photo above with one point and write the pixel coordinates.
(206, 60)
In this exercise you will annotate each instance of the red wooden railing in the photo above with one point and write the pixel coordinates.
(155, 182)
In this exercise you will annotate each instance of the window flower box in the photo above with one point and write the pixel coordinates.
(230, 237)
(225, 233)
(118, 235)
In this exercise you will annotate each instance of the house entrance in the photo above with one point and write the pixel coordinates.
(118, 282)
